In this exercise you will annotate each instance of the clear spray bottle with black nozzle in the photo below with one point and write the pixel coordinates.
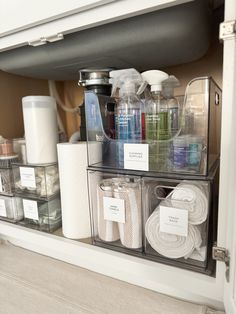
(127, 84)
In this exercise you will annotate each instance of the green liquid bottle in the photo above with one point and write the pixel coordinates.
(151, 132)
(163, 133)
(157, 128)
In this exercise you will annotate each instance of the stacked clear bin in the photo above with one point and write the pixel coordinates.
(192, 149)
(116, 205)
(9, 209)
(180, 221)
(38, 190)
(161, 206)
(167, 220)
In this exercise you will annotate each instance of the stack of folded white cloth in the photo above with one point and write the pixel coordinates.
(129, 232)
(107, 230)
(187, 195)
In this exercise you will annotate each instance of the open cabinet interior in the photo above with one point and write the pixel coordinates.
(13, 87)
(209, 64)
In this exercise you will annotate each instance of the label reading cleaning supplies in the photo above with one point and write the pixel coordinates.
(3, 210)
(114, 209)
(30, 209)
(27, 177)
(136, 157)
(174, 220)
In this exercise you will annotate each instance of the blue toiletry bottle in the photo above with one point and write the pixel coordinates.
(128, 111)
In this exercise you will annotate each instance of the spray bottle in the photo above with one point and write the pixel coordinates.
(156, 120)
(128, 112)
(172, 103)
(157, 127)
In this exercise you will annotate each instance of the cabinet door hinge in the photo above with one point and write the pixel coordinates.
(222, 255)
(44, 40)
(55, 37)
(37, 42)
(227, 30)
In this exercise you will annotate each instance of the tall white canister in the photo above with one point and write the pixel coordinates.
(41, 133)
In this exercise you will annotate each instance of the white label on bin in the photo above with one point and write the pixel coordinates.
(0, 183)
(114, 209)
(3, 210)
(30, 209)
(136, 156)
(174, 220)
(27, 177)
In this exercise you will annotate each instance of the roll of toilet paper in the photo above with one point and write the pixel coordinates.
(72, 161)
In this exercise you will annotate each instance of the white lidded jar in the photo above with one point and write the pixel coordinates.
(41, 134)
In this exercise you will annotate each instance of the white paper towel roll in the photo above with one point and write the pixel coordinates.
(72, 160)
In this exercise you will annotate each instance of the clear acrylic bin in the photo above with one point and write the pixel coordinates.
(167, 220)
(37, 181)
(10, 209)
(7, 154)
(6, 182)
(192, 149)
(180, 221)
(6, 161)
(116, 211)
(41, 215)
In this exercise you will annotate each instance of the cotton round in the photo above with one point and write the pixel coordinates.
(194, 199)
(170, 245)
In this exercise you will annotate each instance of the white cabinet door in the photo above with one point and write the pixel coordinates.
(16, 15)
(24, 21)
(228, 157)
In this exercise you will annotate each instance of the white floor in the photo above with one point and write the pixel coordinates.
(31, 283)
